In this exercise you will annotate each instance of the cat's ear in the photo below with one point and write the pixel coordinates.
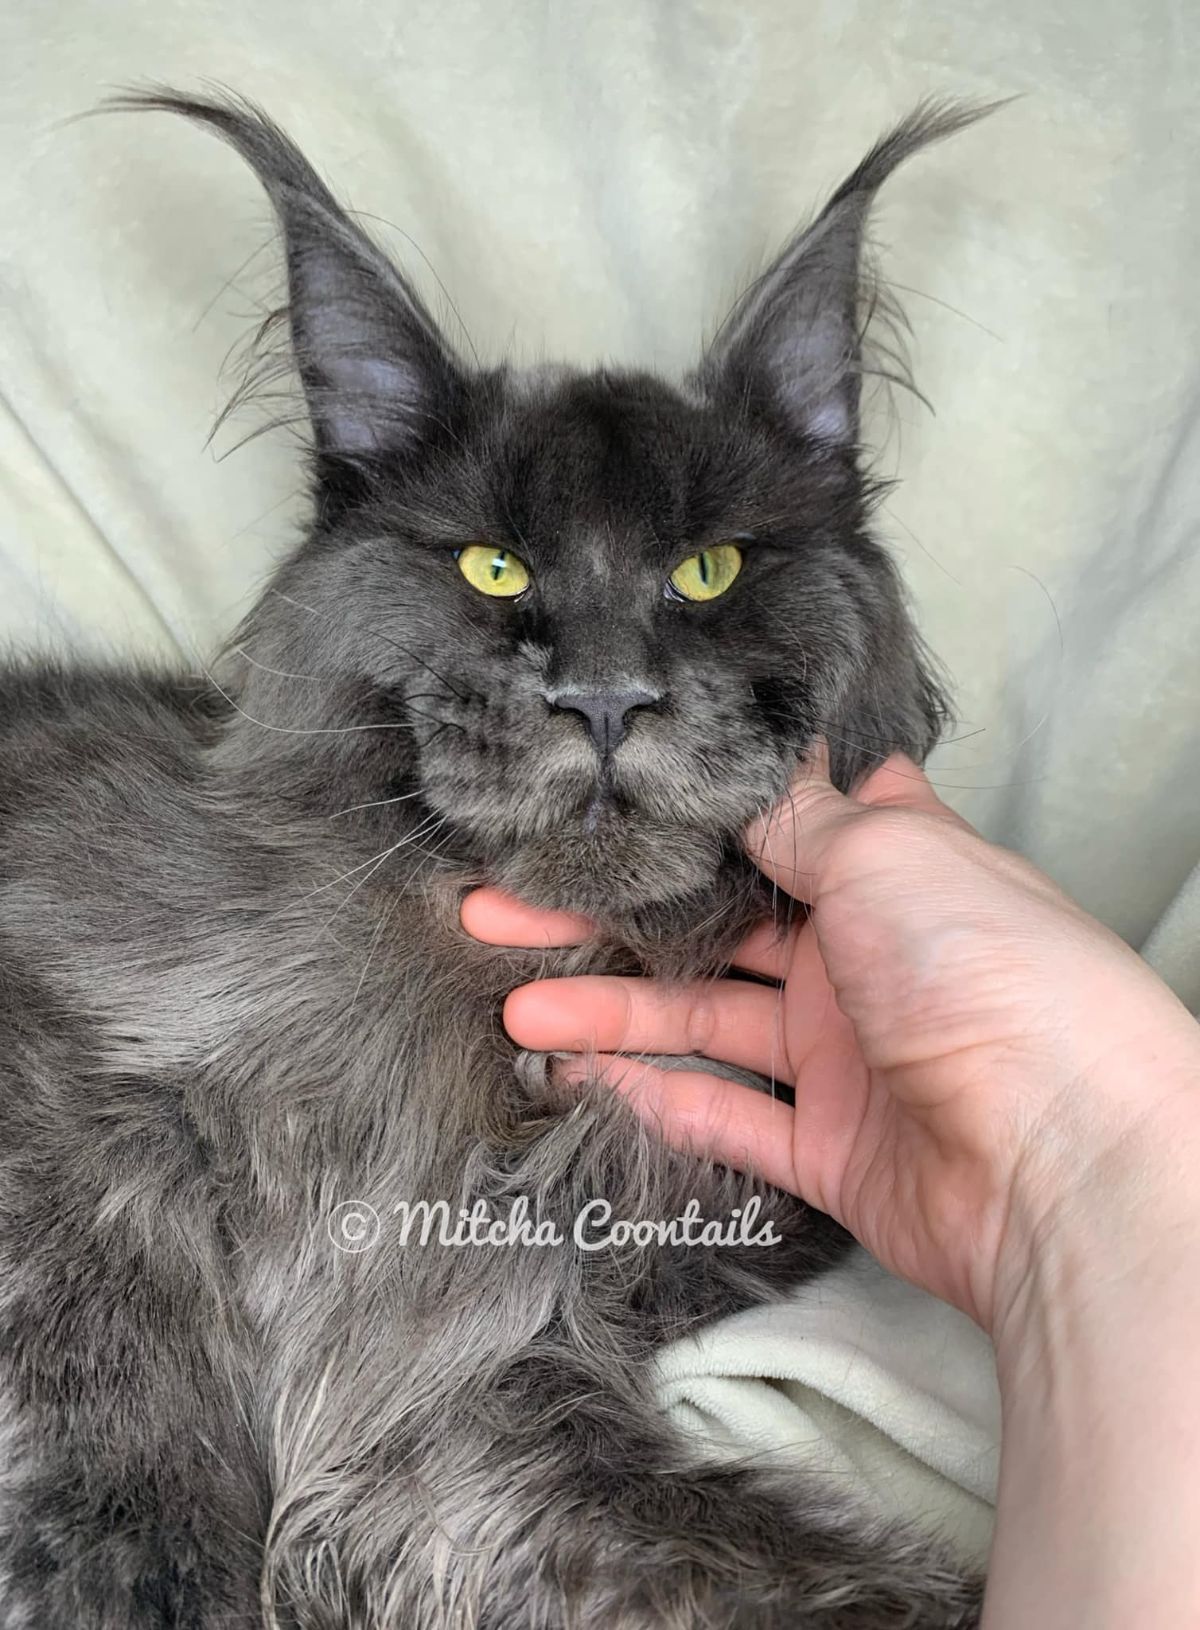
(792, 346)
(377, 374)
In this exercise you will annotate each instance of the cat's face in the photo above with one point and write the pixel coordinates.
(591, 621)
(600, 734)
(613, 728)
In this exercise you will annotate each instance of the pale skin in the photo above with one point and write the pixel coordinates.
(1002, 1103)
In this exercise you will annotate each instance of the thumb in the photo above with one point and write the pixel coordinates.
(790, 843)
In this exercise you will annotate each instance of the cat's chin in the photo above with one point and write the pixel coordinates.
(678, 900)
(620, 867)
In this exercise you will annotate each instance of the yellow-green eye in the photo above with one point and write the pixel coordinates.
(493, 571)
(708, 574)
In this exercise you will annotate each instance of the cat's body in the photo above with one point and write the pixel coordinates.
(239, 1020)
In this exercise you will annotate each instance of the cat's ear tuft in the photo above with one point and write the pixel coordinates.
(377, 373)
(792, 345)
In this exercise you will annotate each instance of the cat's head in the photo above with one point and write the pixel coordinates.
(591, 620)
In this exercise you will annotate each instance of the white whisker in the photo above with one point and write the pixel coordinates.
(278, 672)
(375, 803)
(375, 863)
(375, 938)
(386, 638)
(302, 730)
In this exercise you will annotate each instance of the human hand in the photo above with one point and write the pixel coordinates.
(976, 1062)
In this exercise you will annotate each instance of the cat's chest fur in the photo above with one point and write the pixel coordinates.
(269, 1029)
(299, 1030)
(256, 1039)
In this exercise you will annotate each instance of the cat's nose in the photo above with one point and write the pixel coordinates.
(606, 712)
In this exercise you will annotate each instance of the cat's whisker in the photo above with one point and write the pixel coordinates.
(301, 730)
(938, 781)
(789, 633)
(850, 737)
(383, 922)
(365, 878)
(322, 887)
(375, 803)
(985, 786)
(435, 853)
(379, 635)
(380, 860)
(872, 741)
(421, 874)
(900, 521)
(375, 939)
(432, 718)
(1008, 752)
(279, 673)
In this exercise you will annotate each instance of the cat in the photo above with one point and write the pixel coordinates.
(564, 631)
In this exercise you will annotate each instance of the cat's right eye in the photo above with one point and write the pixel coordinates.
(497, 572)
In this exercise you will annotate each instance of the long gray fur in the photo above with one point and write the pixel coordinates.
(234, 995)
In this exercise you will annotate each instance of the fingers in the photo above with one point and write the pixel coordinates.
(500, 919)
(727, 1019)
(701, 1113)
(899, 783)
(767, 950)
(496, 918)
(802, 1149)
(791, 842)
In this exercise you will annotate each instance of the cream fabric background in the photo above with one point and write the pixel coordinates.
(595, 180)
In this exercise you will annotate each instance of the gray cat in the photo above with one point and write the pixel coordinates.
(564, 631)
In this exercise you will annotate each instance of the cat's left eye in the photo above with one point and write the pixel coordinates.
(706, 575)
(497, 572)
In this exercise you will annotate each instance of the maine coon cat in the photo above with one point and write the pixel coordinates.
(566, 631)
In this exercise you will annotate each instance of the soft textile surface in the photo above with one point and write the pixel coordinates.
(594, 180)
(865, 1380)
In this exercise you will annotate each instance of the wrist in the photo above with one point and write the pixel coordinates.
(1113, 1277)
(1099, 1499)
(1103, 1209)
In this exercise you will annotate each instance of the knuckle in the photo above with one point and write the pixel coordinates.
(702, 1019)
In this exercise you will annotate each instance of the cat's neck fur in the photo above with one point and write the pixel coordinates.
(306, 974)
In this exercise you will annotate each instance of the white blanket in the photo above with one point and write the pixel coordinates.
(595, 180)
(864, 1380)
